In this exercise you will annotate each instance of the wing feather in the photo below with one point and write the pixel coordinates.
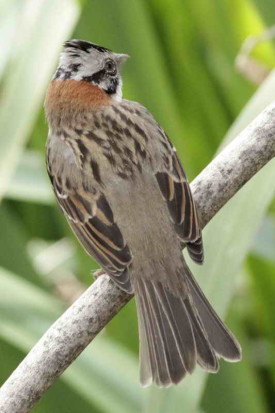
(91, 218)
(176, 191)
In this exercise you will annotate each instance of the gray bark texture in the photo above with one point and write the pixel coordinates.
(80, 324)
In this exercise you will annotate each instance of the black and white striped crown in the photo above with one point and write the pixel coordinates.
(84, 46)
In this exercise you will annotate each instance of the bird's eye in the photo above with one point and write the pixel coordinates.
(110, 67)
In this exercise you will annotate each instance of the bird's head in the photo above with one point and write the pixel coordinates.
(88, 62)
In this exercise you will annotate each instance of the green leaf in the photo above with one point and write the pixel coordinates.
(30, 181)
(261, 271)
(222, 394)
(30, 66)
(13, 246)
(266, 8)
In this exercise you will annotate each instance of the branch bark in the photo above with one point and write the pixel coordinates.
(80, 324)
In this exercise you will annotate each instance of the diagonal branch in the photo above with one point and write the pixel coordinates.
(80, 324)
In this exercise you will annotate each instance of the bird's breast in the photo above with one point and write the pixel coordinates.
(65, 97)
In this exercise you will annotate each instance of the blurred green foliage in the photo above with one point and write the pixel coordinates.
(182, 69)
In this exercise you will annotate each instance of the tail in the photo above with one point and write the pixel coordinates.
(176, 333)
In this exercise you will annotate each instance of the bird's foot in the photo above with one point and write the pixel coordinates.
(98, 273)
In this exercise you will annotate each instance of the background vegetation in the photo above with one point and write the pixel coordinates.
(182, 69)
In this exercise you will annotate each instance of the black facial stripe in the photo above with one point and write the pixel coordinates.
(67, 75)
(84, 46)
(62, 74)
(87, 78)
(58, 73)
(99, 76)
(112, 87)
(74, 66)
(96, 77)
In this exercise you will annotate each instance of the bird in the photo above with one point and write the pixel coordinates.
(122, 188)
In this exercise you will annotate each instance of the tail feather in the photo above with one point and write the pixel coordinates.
(220, 337)
(176, 333)
(180, 325)
(167, 341)
(154, 356)
(206, 356)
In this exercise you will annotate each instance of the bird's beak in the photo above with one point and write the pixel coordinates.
(121, 58)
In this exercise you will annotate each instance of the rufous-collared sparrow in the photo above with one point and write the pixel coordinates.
(121, 186)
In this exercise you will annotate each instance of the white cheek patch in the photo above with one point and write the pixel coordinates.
(118, 95)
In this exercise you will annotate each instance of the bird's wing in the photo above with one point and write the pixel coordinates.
(169, 173)
(176, 191)
(91, 218)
